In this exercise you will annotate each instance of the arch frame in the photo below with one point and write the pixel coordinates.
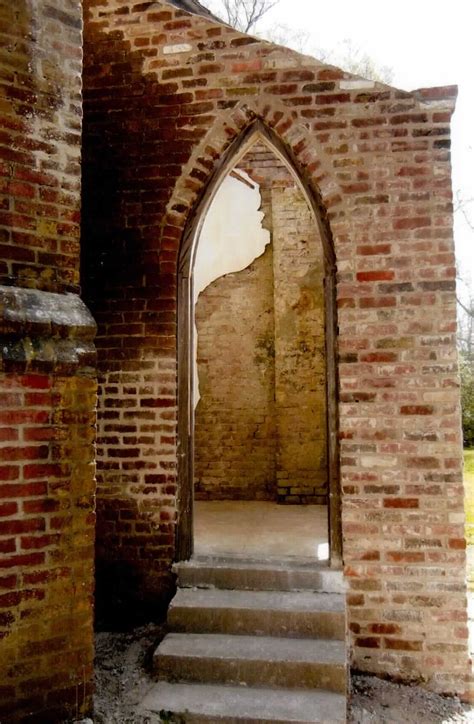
(256, 131)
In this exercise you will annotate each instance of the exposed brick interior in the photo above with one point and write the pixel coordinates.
(300, 359)
(235, 438)
(260, 428)
(47, 385)
(299, 332)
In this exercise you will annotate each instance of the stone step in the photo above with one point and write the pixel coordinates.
(304, 614)
(206, 703)
(265, 575)
(252, 661)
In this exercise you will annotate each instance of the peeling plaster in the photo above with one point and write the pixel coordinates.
(232, 237)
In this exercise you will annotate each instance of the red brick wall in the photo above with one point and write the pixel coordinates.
(47, 387)
(169, 92)
(46, 542)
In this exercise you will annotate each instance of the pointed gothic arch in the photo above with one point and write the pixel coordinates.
(254, 132)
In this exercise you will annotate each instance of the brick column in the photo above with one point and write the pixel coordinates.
(47, 489)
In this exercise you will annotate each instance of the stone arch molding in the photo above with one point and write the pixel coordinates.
(187, 210)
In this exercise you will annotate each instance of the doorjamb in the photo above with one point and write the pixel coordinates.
(257, 131)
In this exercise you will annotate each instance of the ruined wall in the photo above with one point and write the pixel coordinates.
(170, 92)
(260, 427)
(299, 333)
(235, 425)
(300, 354)
(47, 389)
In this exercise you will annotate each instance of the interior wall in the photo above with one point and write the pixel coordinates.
(260, 425)
(300, 350)
(231, 238)
(235, 425)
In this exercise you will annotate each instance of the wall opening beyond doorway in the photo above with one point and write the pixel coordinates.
(258, 417)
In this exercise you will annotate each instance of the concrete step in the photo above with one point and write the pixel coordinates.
(264, 575)
(304, 614)
(252, 661)
(227, 704)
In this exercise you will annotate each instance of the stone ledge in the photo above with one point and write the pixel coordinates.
(45, 332)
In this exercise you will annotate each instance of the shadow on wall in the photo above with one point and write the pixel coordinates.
(131, 290)
(138, 134)
(118, 586)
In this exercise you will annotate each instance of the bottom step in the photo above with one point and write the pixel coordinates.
(260, 661)
(227, 704)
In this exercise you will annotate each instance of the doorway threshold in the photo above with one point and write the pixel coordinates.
(261, 530)
(270, 574)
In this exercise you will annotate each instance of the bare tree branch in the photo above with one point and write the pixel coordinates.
(461, 205)
(466, 217)
(245, 14)
(468, 311)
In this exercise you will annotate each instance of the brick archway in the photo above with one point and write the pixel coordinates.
(255, 131)
(167, 94)
(289, 137)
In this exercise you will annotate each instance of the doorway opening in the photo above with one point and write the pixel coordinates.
(258, 430)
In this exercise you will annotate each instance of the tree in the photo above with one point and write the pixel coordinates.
(465, 300)
(346, 55)
(352, 58)
(243, 14)
(466, 368)
(291, 37)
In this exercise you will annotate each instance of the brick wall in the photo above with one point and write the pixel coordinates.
(260, 427)
(170, 92)
(46, 540)
(47, 387)
(235, 431)
(300, 354)
(40, 126)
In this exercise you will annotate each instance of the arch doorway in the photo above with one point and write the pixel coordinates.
(257, 428)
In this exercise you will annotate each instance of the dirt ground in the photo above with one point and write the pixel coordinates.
(380, 702)
(123, 664)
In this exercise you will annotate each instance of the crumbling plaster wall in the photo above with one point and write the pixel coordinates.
(235, 425)
(231, 237)
(170, 92)
(260, 427)
(235, 440)
(47, 376)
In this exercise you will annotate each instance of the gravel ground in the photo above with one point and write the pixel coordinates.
(122, 674)
(123, 663)
(380, 702)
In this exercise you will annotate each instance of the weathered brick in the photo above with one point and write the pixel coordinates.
(40, 353)
(374, 170)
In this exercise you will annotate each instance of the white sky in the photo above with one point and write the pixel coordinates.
(427, 43)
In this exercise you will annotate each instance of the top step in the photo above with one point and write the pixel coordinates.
(253, 575)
